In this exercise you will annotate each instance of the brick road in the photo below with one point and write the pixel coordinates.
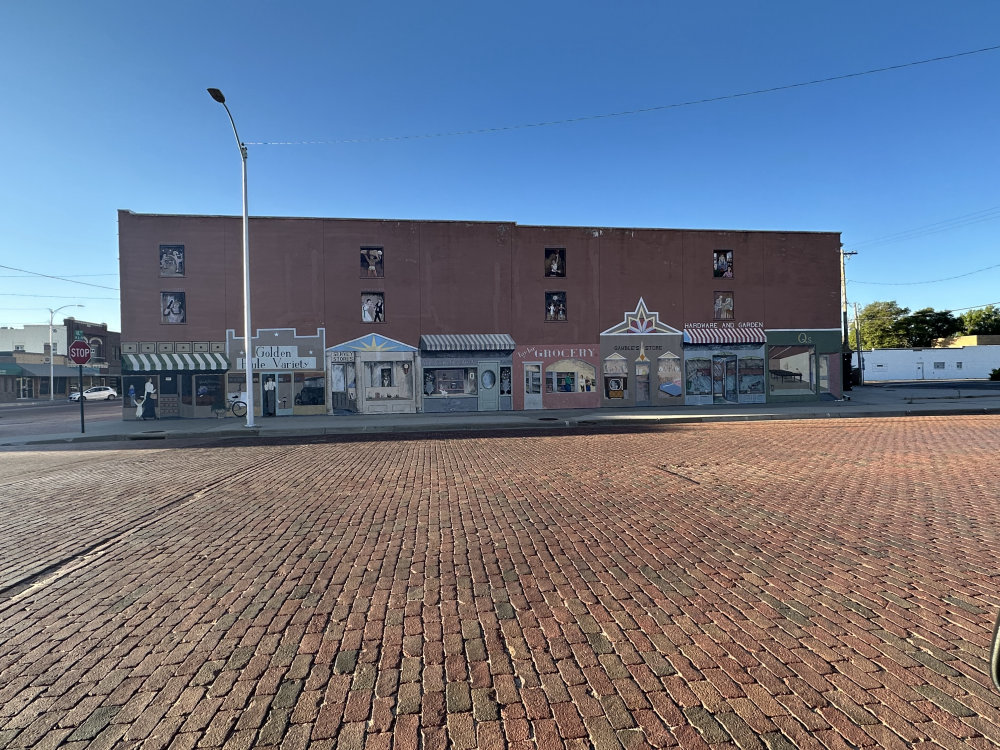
(814, 584)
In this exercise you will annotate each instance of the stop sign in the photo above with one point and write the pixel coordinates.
(79, 352)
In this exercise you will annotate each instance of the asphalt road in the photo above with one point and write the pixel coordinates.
(794, 584)
(40, 418)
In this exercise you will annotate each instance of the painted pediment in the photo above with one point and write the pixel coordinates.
(642, 321)
(372, 342)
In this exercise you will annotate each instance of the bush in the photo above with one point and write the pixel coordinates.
(995, 374)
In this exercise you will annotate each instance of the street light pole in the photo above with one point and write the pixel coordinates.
(247, 341)
(52, 379)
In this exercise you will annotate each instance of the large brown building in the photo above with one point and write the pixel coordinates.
(386, 315)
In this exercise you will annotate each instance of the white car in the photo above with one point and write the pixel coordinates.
(97, 393)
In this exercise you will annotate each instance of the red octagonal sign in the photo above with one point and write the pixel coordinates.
(79, 352)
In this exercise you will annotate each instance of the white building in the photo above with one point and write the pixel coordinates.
(959, 363)
(33, 339)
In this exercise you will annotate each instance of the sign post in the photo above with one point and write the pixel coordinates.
(79, 352)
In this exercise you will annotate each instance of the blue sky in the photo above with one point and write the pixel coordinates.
(104, 107)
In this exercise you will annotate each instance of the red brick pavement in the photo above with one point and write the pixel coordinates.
(784, 584)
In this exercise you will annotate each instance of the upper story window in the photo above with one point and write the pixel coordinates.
(722, 264)
(372, 262)
(724, 306)
(372, 307)
(171, 260)
(173, 307)
(555, 261)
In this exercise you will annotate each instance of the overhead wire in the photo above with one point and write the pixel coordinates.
(627, 113)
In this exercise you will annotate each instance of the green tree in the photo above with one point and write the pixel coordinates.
(880, 326)
(982, 321)
(927, 325)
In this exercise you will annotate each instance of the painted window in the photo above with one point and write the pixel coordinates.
(722, 264)
(724, 306)
(173, 307)
(792, 370)
(171, 260)
(555, 306)
(555, 262)
(443, 382)
(570, 376)
(310, 389)
(751, 375)
(698, 376)
(372, 307)
(372, 259)
(505, 380)
(958, 365)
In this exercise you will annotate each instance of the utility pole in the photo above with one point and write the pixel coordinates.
(845, 365)
(857, 338)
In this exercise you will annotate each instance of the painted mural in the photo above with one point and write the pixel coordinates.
(641, 361)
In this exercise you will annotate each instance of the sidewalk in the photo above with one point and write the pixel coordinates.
(882, 400)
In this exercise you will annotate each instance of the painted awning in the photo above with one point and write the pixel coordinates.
(61, 371)
(745, 334)
(467, 342)
(160, 362)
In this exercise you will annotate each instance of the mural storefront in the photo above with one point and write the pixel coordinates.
(724, 363)
(641, 362)
(170, 384)
(467, 372)
(804, 365)
(557, 377)
(288, 374)
(373, 375)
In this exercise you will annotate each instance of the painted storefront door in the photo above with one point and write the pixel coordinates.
(532, 385)
(642, 384)
(489, 393)
(724, 379)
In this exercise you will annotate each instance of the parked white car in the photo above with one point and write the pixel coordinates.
(97, 393)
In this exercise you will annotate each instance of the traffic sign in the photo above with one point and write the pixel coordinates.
(79, 352)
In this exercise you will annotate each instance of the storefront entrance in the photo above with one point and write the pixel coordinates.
(276, 394)
(724, 380)
(25, 388)
(489, 393)
(532, 385)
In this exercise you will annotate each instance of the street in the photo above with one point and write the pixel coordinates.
(786, 584)
(42, 417)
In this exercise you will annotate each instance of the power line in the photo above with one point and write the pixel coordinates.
(932, 281)
(976, 217)
(58, 278)
(50, 296)
(626, 113)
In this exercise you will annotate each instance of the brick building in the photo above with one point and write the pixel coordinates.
(392, 315)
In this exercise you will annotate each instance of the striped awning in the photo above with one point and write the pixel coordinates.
(738, 334)
(467, 342)
(187, 361)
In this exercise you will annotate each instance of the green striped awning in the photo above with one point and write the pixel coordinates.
(187, 361)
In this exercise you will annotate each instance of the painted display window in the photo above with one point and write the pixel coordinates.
(372, 259)
(555, 262)
(555, 306)
(751, 376)
(505, 381)
(173, 307)
(442, 382)
(722, 264)
(309, 389)
(698, 376)
(171, 260)
(615, 376)
(372, 307)
(570, 376)
(209, 390)
(668, 373)
(791, 370)
(724, 306)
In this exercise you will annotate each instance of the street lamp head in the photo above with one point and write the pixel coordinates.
(217, 95)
